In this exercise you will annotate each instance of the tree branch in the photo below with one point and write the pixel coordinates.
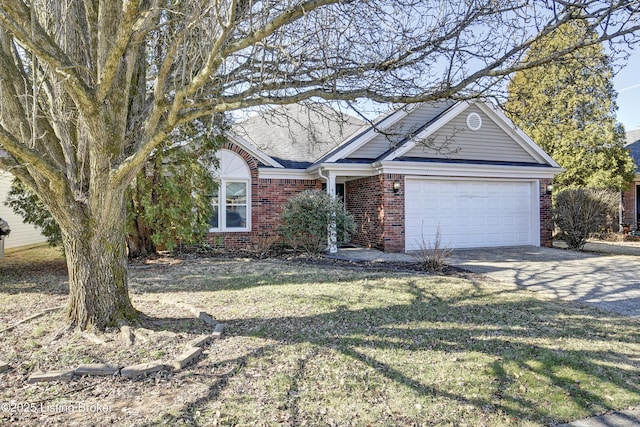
(27, 156)
(107, 71)
(16, 17)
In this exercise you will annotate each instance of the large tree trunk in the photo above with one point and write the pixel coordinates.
(97, 263)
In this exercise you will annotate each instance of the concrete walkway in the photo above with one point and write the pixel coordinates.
(373, 255)
(629, 418)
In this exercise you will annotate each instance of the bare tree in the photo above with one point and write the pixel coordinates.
(90, 88)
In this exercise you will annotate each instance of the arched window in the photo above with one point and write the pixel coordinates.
(232, 199)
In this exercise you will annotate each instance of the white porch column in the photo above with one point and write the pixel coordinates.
(333, 229)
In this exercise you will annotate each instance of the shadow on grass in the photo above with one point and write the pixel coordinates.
(517, 338)
(50, 277)
(230, 275)
(526, 335)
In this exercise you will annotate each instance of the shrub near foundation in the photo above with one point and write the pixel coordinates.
(305, 221)
(581, 212)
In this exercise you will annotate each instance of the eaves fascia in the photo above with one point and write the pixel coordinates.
(466, 170)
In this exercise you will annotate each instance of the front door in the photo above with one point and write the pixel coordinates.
(339, 190)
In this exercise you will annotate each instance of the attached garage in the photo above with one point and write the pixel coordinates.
(461, 167)
(471, 213)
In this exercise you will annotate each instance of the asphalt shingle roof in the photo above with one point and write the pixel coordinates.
(296, 135)
(633, 145)
(633, 136)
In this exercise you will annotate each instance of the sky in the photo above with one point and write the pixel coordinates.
(627, 84)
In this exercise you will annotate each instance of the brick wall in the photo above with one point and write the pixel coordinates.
(546, 214)
(271, 196)
(393, 203)
(378, 212)
(364, 202)
(629, 205)
(267, 198)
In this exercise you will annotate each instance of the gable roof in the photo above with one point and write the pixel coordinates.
(633, 136)
(387, 131)
(530, 152)
(428, 128)
(633, 145)
(295, 136)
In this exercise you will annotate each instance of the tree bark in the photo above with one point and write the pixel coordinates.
(139, 242)
(97, 263)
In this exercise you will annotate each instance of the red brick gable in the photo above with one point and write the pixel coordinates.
(267, 198)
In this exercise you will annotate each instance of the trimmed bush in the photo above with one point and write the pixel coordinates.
(580, 212)
(305, 221)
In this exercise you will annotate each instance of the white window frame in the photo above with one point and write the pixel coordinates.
(224, 156)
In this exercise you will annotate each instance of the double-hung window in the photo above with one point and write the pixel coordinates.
(232, 199)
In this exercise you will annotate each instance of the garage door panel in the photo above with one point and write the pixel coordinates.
(469, 213)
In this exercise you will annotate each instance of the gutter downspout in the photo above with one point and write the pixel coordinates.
(332, 231)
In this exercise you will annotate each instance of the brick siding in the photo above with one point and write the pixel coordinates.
(629, 205)
(546, 214)
(378, 212)
(393, 203)
(271, 196)
(267, 198)
(364, 201)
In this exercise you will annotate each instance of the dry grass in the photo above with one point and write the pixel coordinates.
(433, 256)
(313, 345)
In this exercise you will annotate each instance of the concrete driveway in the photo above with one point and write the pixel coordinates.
(610, 282)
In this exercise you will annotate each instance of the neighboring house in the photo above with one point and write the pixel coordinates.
(463, 167)
(631, 196)
(22, 234)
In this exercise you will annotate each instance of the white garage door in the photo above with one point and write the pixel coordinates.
(470, 214)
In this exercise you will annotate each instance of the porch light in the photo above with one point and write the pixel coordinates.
(396, 186)
(549, 188)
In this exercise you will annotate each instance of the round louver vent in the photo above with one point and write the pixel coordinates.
(474, 121)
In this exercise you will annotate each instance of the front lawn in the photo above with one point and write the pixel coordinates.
(327, 345)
